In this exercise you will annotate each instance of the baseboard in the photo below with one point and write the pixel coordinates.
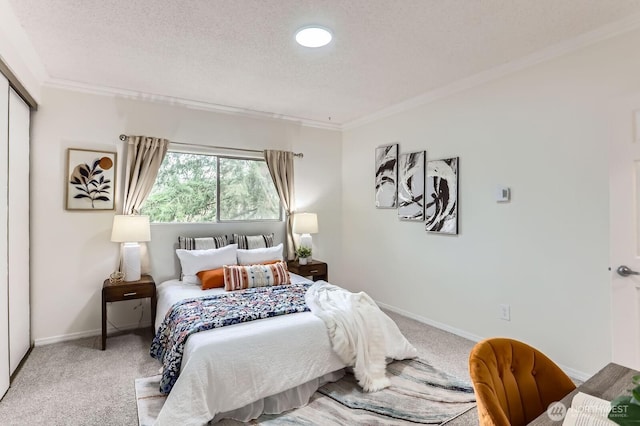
(88, 333)
(573, 373)
(428, 321)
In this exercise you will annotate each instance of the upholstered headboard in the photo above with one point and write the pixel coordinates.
(164, 241)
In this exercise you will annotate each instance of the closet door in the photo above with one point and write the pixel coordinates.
(4, 289)
(18, 230)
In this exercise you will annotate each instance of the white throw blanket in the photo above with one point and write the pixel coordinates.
(361, 334)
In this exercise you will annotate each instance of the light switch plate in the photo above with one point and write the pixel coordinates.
(505, 312)
(503, 194)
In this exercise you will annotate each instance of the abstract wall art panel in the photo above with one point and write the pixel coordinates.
(411, 186)
(442, 196)
(387, 176)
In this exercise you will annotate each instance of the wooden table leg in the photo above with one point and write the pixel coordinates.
(153, 314)
(104, 323)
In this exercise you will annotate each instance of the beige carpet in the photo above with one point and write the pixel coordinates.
(417, 394)
(75, 383)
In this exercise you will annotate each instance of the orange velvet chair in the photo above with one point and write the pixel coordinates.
(514, 383)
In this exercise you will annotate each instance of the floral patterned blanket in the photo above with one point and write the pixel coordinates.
(204, 313)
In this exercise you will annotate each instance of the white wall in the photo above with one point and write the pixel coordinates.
(71, 251)
(542, 132)
(318, 190)
(17, 52)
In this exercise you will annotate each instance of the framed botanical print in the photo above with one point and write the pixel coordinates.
(90, 180)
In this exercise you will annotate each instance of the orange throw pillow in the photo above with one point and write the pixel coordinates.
(212, 278)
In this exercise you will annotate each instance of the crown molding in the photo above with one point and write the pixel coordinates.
(19, 55)
(560, 49)
(563, 48)
(75, 86)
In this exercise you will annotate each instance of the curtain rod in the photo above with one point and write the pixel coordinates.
(295, 154)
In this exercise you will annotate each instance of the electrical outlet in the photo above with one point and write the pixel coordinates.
(505, 312)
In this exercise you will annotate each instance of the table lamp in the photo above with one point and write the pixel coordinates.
(305, 224)
(130, 230)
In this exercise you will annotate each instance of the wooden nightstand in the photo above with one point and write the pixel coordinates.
(315, 269)
(127, 290)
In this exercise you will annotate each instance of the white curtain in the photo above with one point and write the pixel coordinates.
(280, 164)
(144, 157)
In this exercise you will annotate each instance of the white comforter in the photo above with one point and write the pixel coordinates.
(230, 367)
(361, 334)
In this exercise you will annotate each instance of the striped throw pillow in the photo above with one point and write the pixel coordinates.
(238, 277)
(246, 242)
(202, 243)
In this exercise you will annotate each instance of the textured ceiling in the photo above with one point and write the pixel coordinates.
(241, 53)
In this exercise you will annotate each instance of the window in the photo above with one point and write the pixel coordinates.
(210, 188)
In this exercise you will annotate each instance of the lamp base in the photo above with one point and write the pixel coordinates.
(131, 261)
(305, 240)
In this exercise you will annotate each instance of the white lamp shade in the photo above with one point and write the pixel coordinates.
(130, 229)
(305, 223)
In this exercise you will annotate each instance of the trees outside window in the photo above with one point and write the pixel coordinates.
(209, 188)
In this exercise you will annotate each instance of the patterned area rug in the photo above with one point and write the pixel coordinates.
(419, 394)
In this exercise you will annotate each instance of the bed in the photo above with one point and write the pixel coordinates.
(266, 365)
(242, 370)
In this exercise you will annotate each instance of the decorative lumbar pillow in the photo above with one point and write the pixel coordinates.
(239, 277)
(260, 255)
(202, 243)
(253, 241)
(194, 261)
(213, 278)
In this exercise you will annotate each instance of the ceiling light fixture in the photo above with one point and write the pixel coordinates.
(313, 36)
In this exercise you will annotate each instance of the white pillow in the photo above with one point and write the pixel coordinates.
(194, 261)
(259, 255)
